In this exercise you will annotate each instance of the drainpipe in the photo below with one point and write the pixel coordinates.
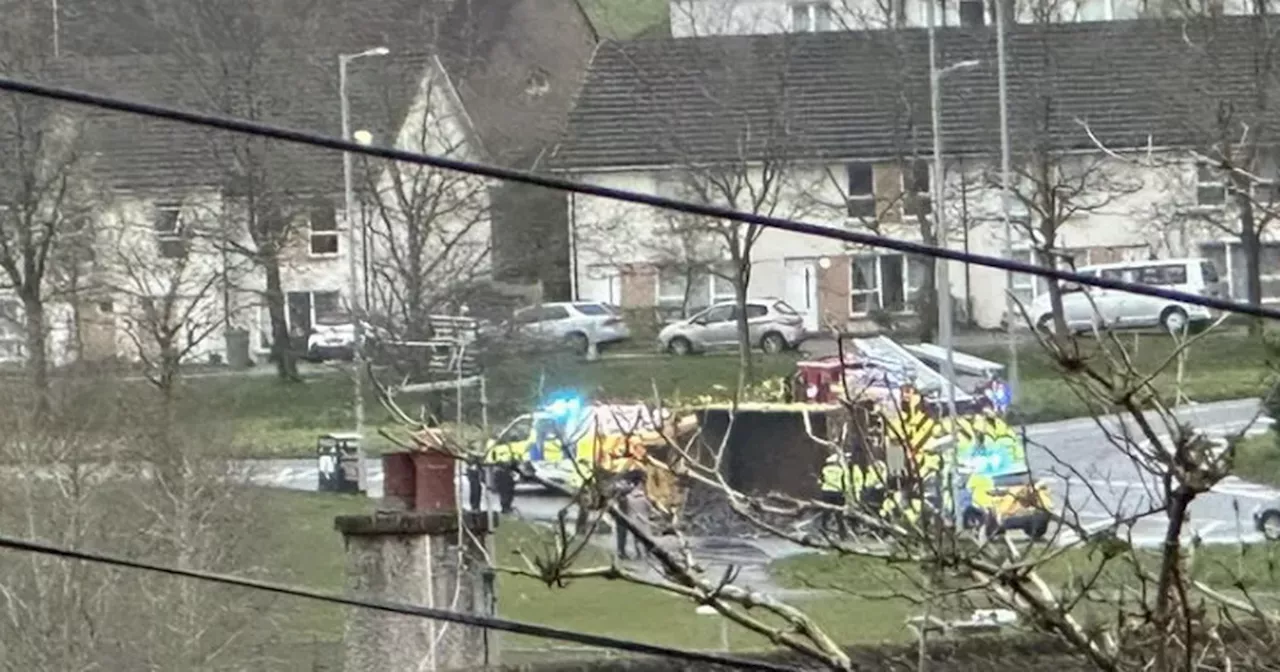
(968, 268)
(573, 246)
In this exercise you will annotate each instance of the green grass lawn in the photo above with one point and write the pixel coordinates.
(1257, 459)
(310, 552)
(1227, 365)
(283, 419)
(1253, 567)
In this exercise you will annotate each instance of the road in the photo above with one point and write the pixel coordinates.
(1075, 457)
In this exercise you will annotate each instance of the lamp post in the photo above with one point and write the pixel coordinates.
(1005, 161)
(946, 316)
(353, 298)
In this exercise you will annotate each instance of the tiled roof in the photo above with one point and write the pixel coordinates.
(491, 50)
(847, 95)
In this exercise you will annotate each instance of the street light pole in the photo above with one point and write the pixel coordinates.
(946, 315)
(353, 299)
(1005, 186)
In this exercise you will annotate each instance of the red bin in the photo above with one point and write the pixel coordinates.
(816, 379)
(420, 480)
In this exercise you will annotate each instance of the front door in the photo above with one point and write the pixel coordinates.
(802, 290)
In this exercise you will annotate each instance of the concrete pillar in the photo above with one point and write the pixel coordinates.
(412, 557)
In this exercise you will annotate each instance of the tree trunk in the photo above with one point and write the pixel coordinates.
(37, 355)
(1252, 248)
(746, 374)
(281, 342)
(927, 302)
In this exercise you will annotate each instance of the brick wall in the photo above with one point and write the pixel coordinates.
(833, 293)
(639, 286)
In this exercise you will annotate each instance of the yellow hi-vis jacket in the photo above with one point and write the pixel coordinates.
(500, 454)
(873, 474)
(898, 504)
(832, 478)
(980, 487)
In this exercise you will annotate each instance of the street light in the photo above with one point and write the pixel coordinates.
(1010, 304)
(946, 315)
(353, 300)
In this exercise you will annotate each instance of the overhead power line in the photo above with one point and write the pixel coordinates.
(286, 134)
(488, 622)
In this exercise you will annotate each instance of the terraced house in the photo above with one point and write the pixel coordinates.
(212, 233)
(1130, 140)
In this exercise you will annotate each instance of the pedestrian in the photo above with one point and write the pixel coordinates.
(634, 504)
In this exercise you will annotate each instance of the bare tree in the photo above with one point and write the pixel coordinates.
(427, 229)
(171, 291)
(44, 196)
(253, 62)
(1231, 171)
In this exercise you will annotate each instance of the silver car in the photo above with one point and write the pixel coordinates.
(774, 327)
(577, 325)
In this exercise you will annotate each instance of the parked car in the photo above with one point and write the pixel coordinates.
(1266, 519)
(575, 324)
(333, 337)
(1083, 307)
(774, 327)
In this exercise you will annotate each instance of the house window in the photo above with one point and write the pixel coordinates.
(862, 190)
(972, 13)
(322, 222)
(683, 291)
(12, 343)
(808, 17)
(1211, 187)
(1027, 287)
(301, 311)
(608, 282)
(915, 181)
(170, 238)
(889, 282)
(1229, 261)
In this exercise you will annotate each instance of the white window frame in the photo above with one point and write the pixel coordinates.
(864, 199)
(170, 235)
(264, 313)
(923, 197)
(613, 279)
(878, 291)
(1227, 273)
(1036, 285)
(813, 10)
(1219, 183)
(674, 301)
(315, 235)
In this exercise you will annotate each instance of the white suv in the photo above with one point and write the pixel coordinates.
(1083, 307)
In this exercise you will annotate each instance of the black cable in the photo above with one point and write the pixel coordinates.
(449, 616)
(551, 182)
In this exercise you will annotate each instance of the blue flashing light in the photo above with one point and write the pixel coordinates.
(564, 407)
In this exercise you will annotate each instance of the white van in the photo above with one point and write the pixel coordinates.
(1083, 307)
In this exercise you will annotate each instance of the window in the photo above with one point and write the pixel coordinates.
(1208, 272)
(890, 282)
(718, 314)
(915, 181)
(1211, 187)
(1162, 275)
(972, 13)
(302, 310)
(170, 238)
(322, 221)
(550, 313)
(591, 309)
(755, 310)
(1027, 287)
(1266, 194)
(808, 17)
(862, 192)
(682, 291)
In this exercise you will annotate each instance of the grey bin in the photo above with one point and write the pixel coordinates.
(238, 349)
(338, 463)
